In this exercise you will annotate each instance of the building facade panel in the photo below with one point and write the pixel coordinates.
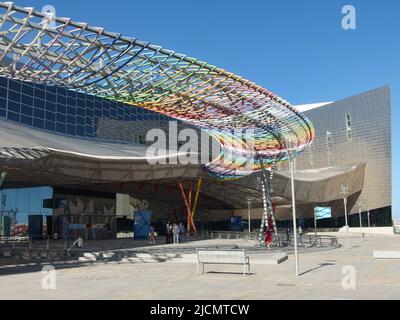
(356, 129)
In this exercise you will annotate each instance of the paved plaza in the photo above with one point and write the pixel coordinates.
(323, 273)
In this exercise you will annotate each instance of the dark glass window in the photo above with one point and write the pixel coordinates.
(51, 116)
(3, 103)
(71, 101)
(27, 89)
(27, 100)
(80, 120)
(26, 120)
(60, 127)
(61, 108)
(61, 100)
(38, 113)
(3, 82)
(13, 116)
(50, 125)
(14, 106)
(38, 123)
(38, 103)
(71, 129)
(27, 110)
(80, 131)
(14, 96)
(71, 111)
(80, 112)
(15, 85)
(61, 117)
(39, 93)
(52, 89)
(51, 97)
(3, 92)
(71, 119)
(50, 106)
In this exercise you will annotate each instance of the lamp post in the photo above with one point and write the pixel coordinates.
(344, 192)
(249, 215)
(360, 206)
(291, 166)
(369, 222)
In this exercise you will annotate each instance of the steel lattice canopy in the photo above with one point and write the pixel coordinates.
(249, 121)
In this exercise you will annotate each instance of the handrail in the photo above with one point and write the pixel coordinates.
(78, 242)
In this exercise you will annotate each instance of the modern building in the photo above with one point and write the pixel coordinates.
(352, 148)
(71, 154)
(74, 115)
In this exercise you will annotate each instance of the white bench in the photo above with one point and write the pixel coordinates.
(218, 256)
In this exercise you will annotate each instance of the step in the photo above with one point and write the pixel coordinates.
(386, 254)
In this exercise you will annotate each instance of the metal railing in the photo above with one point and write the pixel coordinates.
(238, 235)
(283, 239)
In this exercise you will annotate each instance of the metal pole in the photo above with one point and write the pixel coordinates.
(296, 257)
(347, 225)
(344, 192)
(249, 214)
(359, 214)
(369, 223)
(315, 224)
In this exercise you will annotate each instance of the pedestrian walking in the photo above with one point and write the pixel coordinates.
(175, 231)
(182, 231)
(152, 239)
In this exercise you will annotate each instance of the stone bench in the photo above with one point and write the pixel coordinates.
(225, 256)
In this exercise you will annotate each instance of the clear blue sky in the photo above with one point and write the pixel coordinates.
(295, 48)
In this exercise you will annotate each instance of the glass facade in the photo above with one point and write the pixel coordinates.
(22, 202)
(72, 113)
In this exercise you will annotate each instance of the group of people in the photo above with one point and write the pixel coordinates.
(175, 232)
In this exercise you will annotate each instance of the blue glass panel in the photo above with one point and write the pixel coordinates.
(71, 119)
(71, 129)
(80, 131)
(71, 111)
(80, 120)
(3, 103)
(61, 100)
(26, 120)
(38, 123)
(14, 106)
(50, 106)
(51, 116)
(80, 112)
(50, 125)
(3, 92)
(51, 97)
(3, 82)
(27, 110)
(38, 113)
(60, 127)
(38, 103)
(14, 85)
(14, 96)
(71, 102)
(61, 108)
(27, 100)
(38, 93)
(61, 118)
